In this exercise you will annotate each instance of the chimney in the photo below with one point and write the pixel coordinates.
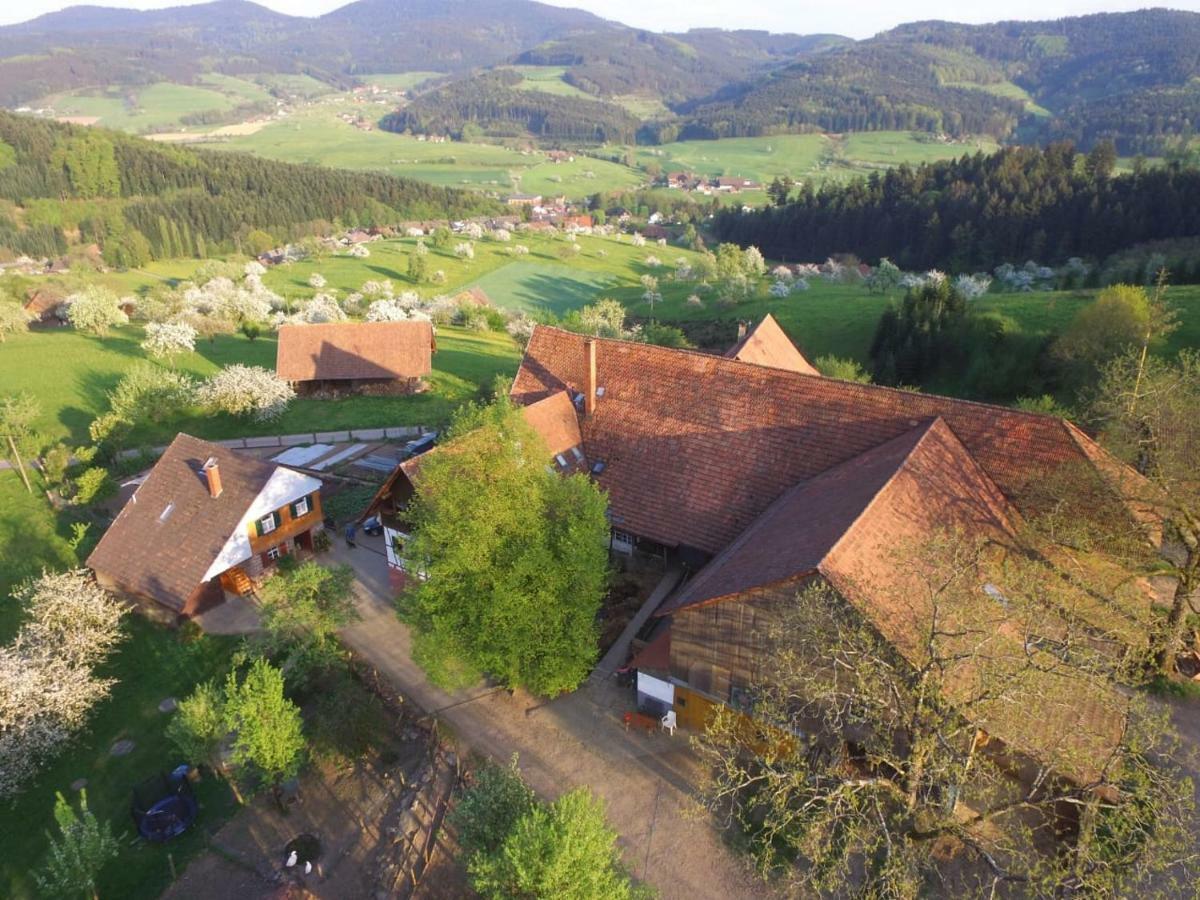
(212, 472)
(741, 329)
(589, 392)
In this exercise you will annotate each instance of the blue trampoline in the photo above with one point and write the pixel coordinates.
(164, 806)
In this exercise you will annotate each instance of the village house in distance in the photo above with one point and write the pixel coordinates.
(206, 523)
(356, 357)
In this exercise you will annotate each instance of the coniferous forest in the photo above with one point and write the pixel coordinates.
(139, 200)
(1046, 204)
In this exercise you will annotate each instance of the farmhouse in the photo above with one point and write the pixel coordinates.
(205, 524)
(369, 357)
(761, 477)
(45, 306)
(735, 184)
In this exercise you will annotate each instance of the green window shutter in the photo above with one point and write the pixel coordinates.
(258, 532)
(292, 509)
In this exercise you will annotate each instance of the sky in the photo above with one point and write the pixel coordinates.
(855, 18)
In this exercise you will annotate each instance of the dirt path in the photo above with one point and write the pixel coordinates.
(574, 740)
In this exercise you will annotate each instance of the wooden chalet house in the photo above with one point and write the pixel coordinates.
(206, 523)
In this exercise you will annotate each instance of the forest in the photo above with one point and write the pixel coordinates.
(139, 200)
(1045, 204)
(493, 103)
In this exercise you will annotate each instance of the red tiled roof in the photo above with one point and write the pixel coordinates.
(352, 350)
(164, 553)
(767, 345)
(695, 447)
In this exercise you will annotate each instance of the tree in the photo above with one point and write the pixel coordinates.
(246, 391)
(316, 280)
(268, 733)
(1118, 319)
(48, 683)
(1148, 410)
(665, 336)
(259, 242)
(79, 853)
(168, 339)
(867, 765)
(147, 392)
(780, 189)
(95, 309)
(418, 267)
(92, 485)
(198, 727)
(13, 318)
(518, 847)
(18, 412)
(844, 369)
(489, 810)
(512, 557)
(604, 318)
(302, 611)
(565, 850)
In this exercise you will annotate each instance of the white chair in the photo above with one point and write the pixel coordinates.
(669, 723)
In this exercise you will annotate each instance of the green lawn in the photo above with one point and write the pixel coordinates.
(86, 368)
(400, 81)
(545, 287)
(151, 664)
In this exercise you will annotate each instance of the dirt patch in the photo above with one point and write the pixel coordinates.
(625, 597)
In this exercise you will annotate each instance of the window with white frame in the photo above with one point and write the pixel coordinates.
(300, 508)
(267, 524)
(274, 553)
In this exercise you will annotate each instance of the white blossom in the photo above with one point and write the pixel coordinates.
(503, 235)
(323, 308)
(415, 232)
(254, 267)
(638, 240)
(316, 280)
(359, 251)
(377, 288)
(464, 250)
(972, 287)
(653, 262)
(782, 273)
(519, 250)
(753, 261)
(95, 309)
(165, 339)
(473, 230)
(386, 311)
(780, 289)
(246, 391)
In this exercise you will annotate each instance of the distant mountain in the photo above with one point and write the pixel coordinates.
(85, 46)
(1129, 77)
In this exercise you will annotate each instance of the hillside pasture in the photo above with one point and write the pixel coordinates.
(155, 106)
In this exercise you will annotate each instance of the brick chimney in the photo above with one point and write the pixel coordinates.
(212, 472)
(589, 391)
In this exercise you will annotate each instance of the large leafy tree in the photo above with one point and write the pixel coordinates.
(863, 765)
(514, 556)
(302, 611)
(268, 734)
(516, 846)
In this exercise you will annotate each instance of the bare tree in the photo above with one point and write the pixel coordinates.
(963, 736)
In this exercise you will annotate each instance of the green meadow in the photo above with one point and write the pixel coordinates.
(156, 106)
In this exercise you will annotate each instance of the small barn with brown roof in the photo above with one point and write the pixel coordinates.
(369, 357)
(44, 305)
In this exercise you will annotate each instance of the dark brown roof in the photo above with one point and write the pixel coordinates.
(695, 447)
(352, 350)
(767, 345)
(166, 537)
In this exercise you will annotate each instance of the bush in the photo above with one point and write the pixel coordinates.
(246, 391)
(93, 485)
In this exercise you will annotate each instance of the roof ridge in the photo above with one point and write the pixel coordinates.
(925, 432)
(868, 387)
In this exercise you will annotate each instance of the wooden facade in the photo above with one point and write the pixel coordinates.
(292, 525)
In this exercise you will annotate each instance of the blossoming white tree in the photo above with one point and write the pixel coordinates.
(464, 250)
(780, 289)
(246, 391)
(323, 308)
(503, 235)
(388, 310)
(359, 251)
(167, 339)
(47, 674)
(316, 280)
(254, 267)
(753, 262)
(95, 309)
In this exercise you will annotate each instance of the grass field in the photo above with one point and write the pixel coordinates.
(548, 80)
(315, 135)
(541, 287)
(155, 106)
(816, 157)
(86, 368)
